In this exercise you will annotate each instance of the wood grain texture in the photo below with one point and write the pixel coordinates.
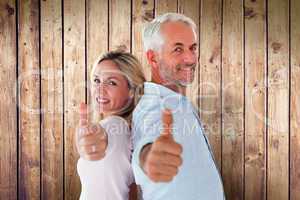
(8, 101)
(29, 108)
(74, 88)
(255, 100)
(164, 6)
(295, 99)
(97, 34)
(278, 100)
(120, 25)
(192, 9)
(51, 100)
(233, 99)
(142, 13)
(210, 74)
(244, 88)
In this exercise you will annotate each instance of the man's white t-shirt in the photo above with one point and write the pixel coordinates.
(109, 178)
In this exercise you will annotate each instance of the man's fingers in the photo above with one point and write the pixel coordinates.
(165, 158)
(167, 121)
(163, 144)
(83, 114)
(157, 177)
(163, 169)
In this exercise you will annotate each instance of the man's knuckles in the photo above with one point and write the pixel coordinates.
(153, 167)
(170, 147)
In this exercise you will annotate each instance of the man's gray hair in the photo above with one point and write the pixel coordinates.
(152, 38)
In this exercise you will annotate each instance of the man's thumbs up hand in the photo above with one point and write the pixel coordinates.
(91, 140)
(161, 159)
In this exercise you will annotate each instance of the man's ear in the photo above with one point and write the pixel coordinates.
(152, 58)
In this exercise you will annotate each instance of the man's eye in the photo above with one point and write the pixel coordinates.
(178, 49)
(194, 48)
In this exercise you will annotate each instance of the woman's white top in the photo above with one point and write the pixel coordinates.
(109, 178)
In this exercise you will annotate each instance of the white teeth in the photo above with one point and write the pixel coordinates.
(189, 70)
(102, 100)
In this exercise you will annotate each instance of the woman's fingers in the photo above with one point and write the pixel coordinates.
(83, 114)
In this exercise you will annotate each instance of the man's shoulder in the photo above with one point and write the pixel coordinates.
(147, 104)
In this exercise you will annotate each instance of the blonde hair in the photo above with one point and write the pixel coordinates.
(131, 68)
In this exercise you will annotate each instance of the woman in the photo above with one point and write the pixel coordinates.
(117, 81)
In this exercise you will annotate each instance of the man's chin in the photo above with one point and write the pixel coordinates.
(185, 83)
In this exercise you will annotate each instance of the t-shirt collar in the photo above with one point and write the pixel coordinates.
(160, 90)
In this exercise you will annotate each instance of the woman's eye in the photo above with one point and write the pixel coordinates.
(112, 83)
(96, 80)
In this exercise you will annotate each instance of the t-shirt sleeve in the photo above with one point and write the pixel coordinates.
(118, 136)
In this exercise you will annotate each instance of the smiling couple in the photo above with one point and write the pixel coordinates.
(149, 134)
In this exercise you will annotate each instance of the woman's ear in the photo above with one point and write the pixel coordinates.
(131, 93)
(152, 58)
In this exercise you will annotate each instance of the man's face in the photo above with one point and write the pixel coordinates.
(178, 57)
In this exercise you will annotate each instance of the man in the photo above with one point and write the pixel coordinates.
(178, 164)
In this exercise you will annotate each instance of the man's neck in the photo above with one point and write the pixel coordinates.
(176, 88)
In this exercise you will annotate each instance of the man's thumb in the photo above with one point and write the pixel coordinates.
(83, 114)
(167, 121)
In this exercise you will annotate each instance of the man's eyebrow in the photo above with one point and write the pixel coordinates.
(178, 44)
(181, 44)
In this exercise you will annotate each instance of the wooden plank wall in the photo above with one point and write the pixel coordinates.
(247, 88)
(52, 160)
(29, 82)
(8, 103)
(255, 100)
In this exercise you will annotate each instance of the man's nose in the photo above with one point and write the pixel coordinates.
(190, 58)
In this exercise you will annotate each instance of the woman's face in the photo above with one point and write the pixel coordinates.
(110, 89)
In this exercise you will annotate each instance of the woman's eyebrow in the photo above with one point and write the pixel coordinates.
(113, 77)
(109, 77)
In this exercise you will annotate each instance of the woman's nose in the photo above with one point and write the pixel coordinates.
(102, 88)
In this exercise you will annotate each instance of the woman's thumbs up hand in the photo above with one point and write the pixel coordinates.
(91, 140)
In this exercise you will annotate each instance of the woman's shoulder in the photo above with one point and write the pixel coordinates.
(114, 119)
(115, 123)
